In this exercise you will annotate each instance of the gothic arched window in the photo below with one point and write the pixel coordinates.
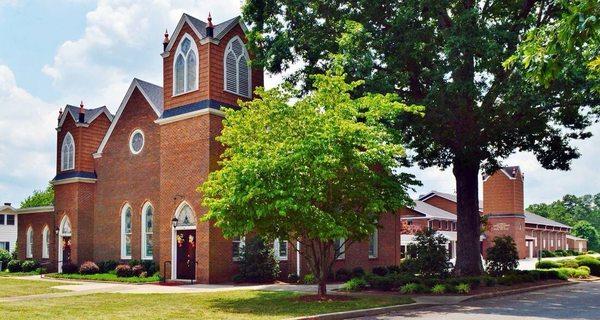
(67, 153)
(238, 78)
(185, 66)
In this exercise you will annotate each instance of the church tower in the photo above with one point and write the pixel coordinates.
(205, 67)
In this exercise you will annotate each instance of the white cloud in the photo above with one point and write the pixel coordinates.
(27, 143)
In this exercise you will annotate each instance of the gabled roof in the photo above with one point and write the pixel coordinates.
(7, 208)
(432, 212)
(447, 196)
(533, 218)
(199, 28)
(572, 237)
(511, 172)
(151, 92)
(89, 116)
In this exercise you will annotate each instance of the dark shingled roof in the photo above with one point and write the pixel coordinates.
(90, 114)
(219, 29)
(432, 212)
(533, 218)
(154, 93)
(449, 196)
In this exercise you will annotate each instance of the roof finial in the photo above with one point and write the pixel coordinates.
(60, 113)
(209, 27)
(81, 113)
(81, 110)
(166, 41)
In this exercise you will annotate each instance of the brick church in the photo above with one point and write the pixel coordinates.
(125, 184)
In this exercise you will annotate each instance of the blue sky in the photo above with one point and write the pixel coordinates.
(64, 51)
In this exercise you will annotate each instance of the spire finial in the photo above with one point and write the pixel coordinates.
(81, 107)
(166, 40)
(210, 20)
(209, 27)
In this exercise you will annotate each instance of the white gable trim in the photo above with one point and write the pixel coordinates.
(63, 117)
(134, 84)
(184, 19)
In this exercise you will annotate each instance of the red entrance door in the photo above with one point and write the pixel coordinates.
(186, 254)
(66, 250)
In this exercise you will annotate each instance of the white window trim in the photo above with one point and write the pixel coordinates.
(177, 52)
(144, 233)
(46, 243)
(62, 153)
(123, 234)
(276, 250)
(131, 141)
(375, 246)
(237, 84)
(242, 244)
(29, 249)
(342, 249)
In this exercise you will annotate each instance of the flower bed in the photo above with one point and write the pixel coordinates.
(111, 277)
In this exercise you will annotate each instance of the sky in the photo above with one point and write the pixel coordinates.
(59, 52)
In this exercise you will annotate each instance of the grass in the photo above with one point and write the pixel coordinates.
(240, 304)
(18, 287)
(5, 273)
(103, 277)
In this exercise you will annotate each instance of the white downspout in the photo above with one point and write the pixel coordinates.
(298, 258)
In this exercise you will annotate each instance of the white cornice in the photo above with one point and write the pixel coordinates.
(190, 115)
(73, 180)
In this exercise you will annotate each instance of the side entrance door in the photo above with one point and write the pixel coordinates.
(186, 254)
(66, 250)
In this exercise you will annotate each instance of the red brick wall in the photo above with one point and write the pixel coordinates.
(37, 221)
(442, 203)
(87, 140)
(127, 178)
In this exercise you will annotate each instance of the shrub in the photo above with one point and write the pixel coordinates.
(124, 271)
(502, 257)
(438, 289)
(547, 264)
(5, 258)
(549, 274)
(400, 279)
(343, 275)
(430, 253)
(548, 254)
(89, 267)
(238, 278)
(14, 265)
(584, 256)
(575, 273)
(107, 266)
(394, 269)
(358, 272)
(569, 263)
(591, 252)
(355, 284)
(592, 263)
(412, 288)
(560, 253)
(463, 288)
(380, 271)
(383, 283)
(257, 262)
(586, 268)
(293, 278)
(310, 279)
(137, 270)
(150, 266)
(408, 266)
(474, 282)
(69, 268)
(489, 281)
(29, 265)
(132, 263)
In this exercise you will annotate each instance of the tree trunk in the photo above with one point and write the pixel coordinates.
(323, 286)
(468, 255)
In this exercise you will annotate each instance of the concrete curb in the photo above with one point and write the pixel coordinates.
(517, 291)
(363, 312)
(417, 305)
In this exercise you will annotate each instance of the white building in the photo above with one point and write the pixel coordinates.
(8, 227)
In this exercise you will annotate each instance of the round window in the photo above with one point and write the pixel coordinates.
(136, 142)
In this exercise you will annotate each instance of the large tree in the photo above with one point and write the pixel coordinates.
(39, 198)
(315, 170)
(448, 56)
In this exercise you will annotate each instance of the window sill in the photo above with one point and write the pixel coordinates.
(183, 93)
(237, 94)
(373, 257)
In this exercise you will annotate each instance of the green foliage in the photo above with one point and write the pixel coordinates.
(89, 267)
(112, 277)
(309, 279)
(587, 231)
(463, 288)
(429, 253)
(383, 283)
(355, 284)
(574, 272)
(293, 278)
(380, 271)
(568, 263)
(447, 56)
(39, 198)
(548, 254)
(358, 272)
(257, 262)
(320, 168)
(438, 289)
(14, 266)
(502, 257)
(29, 265)
(107, 265)
(5, 257)
(343, 275)
(412, 288)
(547, 264)
(592, 263)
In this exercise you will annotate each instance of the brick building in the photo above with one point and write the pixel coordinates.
(503, 205)
(126, 183)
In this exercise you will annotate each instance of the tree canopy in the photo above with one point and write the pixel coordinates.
(314, 170)
(39, 198)
(447, 56)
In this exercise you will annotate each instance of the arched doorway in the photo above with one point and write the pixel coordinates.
(183, 249)
(64, 243)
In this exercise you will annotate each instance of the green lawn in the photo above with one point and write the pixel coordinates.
(18, 287)
(219, 305)
(5, 273)
(103, 277)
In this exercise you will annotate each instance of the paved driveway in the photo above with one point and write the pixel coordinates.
(580, 301)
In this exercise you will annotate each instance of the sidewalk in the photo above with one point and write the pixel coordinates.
(529, 264)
